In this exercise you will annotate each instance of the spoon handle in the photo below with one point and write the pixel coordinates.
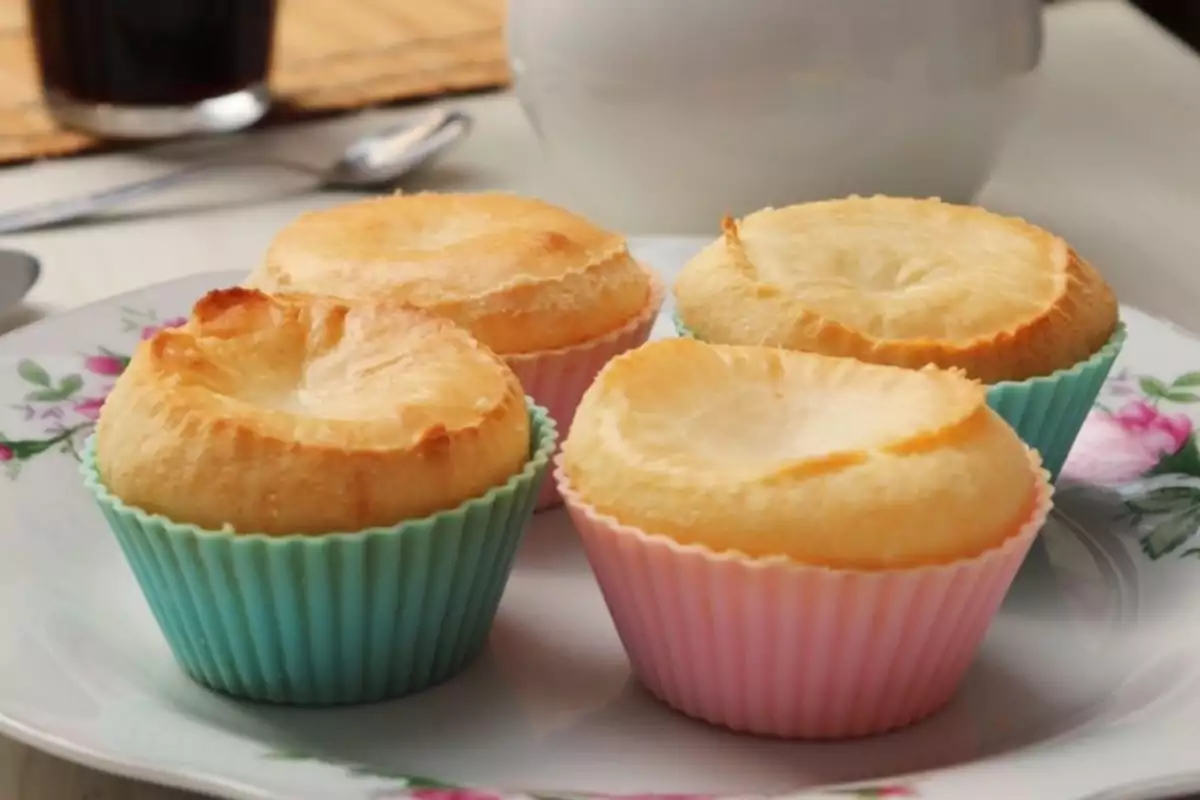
(74, 208)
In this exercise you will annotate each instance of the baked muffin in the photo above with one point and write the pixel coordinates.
(547, 290)
(321, 502)
(912, 282)
(797, 545)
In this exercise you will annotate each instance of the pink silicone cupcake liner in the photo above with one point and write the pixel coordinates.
(557, 379)
(776, 648)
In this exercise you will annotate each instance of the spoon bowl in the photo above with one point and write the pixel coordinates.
(19, 271)
(380, 158)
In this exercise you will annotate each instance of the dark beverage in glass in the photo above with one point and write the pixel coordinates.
(154, 68)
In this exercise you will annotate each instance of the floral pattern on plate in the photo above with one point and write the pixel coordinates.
(414, 787)
(61, 406)
(457, 793)
(1139, 441)
(419, 789)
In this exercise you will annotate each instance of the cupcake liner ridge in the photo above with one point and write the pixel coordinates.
(336, 618)
(776, 648)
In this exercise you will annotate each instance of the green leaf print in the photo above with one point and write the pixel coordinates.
(420, 782)
(70, 384)
(1186, 461)
(1165, 500)
(1192, 552)
(25, 449)
(67, 387)
(392, 774)
(1181, 397)
(1169, 534)
(1153, 387)
(32, 372)
(43, 396)
(1187, 380)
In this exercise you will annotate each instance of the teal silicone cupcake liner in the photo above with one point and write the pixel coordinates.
(1048, 411)
(337, 618)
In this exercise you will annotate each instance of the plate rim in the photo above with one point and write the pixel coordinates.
(13, 337)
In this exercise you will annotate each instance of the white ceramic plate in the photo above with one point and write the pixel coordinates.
(1088, 684)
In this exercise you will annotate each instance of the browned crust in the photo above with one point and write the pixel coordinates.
(522, 275)
(1078, 322)
(170, 441)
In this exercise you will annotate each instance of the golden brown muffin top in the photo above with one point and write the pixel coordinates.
(292, 414)
(900, 281)
(520, 274)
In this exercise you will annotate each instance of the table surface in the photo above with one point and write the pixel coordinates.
(1105, 157)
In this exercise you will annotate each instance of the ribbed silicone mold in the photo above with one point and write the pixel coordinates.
(1048, 411)
(777, 648)
(337, 618)
(557, 379)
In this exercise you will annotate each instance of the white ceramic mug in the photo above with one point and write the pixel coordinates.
(664, 115)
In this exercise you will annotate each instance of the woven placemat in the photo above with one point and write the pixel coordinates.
(331, 55)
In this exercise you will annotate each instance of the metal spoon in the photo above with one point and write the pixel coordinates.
(373, 161)
(18, 273)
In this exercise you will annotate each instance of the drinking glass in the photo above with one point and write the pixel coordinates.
(154, 68)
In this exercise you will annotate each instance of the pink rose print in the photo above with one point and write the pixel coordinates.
(6, 453)
(104, 365)
(89, 407)
(1121, 446)
(150, 330)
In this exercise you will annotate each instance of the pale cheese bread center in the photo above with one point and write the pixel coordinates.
(776, 453)
(903, 282)
(804, 412)
(890, 279)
